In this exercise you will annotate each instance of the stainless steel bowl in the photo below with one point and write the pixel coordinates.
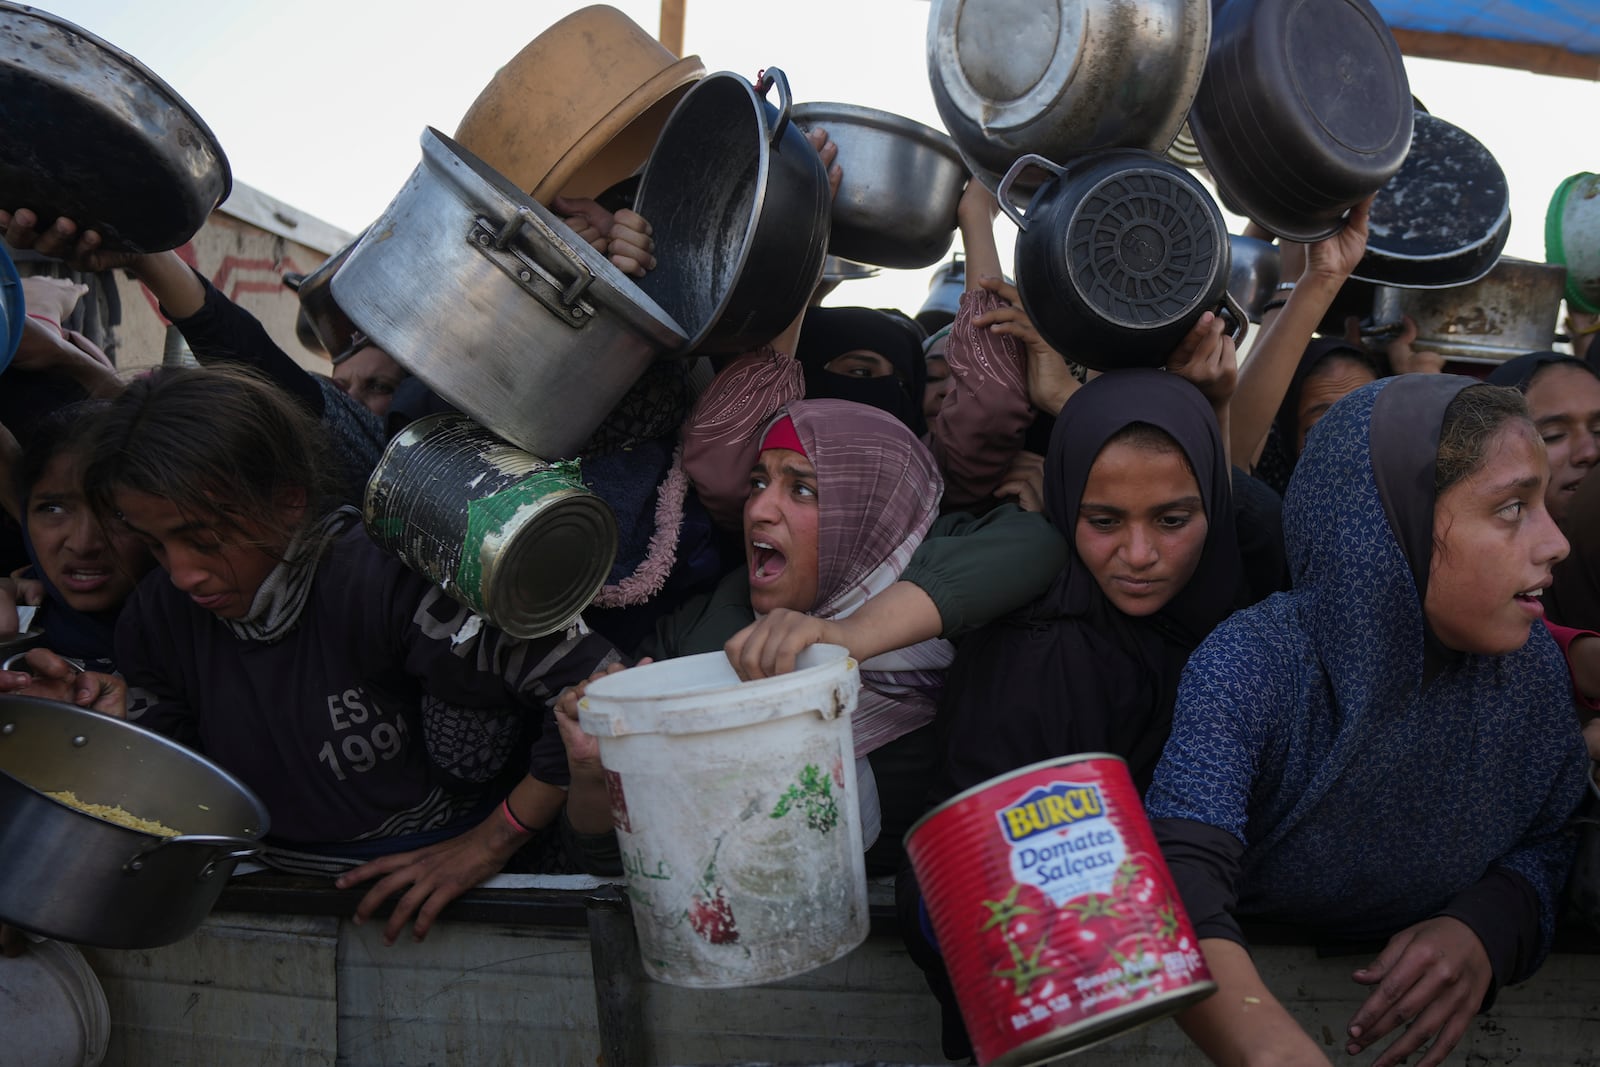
(896, 205)
(1061, 78)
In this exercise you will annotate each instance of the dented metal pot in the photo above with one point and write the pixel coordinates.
(1510, 312)
(500, 308)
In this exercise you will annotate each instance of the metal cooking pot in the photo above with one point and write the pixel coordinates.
(1304, 111)
(896, 205)
(739, 205)
(1510, 312)
(1253, 273)
(498, 307)
(72, 876)
(332, 329)
(1120, 254)
(1060, 78)
(91, 133)
(1444, 218)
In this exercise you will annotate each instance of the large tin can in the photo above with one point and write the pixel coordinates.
(1054, 910)
(518, 540)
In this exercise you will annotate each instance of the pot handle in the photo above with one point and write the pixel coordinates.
(236, 848)
(770, 77)
(1235, 318)
(494, 241)
(1002, 192)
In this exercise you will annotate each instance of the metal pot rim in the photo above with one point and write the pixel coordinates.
(827, 113)
(698, 333)
(138, 735)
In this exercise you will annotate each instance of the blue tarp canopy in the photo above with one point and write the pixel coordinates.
(1559, 37)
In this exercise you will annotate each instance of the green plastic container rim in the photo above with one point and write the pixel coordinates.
(1555, 249)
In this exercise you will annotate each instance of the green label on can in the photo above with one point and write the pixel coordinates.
(488, 519)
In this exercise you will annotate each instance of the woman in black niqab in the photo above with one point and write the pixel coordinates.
(1072, 673)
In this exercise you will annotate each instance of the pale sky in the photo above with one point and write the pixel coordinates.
(320, 103)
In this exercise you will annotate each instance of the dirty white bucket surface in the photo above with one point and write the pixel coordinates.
(736, 811)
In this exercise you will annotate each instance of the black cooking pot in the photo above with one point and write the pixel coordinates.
(1304, 110)
(92, 134)
(1120, 254)
(1444, 219)
(739, 206)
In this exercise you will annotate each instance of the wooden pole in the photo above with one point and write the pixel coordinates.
(671, 35)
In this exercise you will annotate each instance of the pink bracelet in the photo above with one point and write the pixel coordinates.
(516, 823)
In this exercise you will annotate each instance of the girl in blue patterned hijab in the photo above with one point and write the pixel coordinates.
(1389, 750)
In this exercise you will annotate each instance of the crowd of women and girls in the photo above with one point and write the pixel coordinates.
(1331, 606)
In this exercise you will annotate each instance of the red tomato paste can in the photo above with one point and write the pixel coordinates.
(1056, 915)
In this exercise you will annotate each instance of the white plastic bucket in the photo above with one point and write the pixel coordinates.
(52, 1010)
(736, 810)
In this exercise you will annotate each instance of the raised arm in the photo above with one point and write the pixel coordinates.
(1264, 379)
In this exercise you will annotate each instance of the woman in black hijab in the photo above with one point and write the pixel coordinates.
(1093, 665)
(1329, 369)
(867, 356)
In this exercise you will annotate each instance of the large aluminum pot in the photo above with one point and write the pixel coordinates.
(1120, 255)
(1510, 312)
(79, 878)
(896, 205)
(92, 134)
(496, 305)
(1060, 78)
(738, 201)
(1305, 110)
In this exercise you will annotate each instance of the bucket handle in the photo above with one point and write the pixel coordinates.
(1002, 191)
(770, 77)
(565, 298)
(236, 848)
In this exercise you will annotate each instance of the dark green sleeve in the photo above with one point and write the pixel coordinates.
(703, 623)
(977, 569)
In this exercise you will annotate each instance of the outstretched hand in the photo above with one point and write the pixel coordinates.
(1050, 382)
(622, 236)
(1206, 358)
(436, 875)
(1336, 256)
(1404, 358)
(61, 240)
(1431, 979)
(53, 677)
(772, 644)
(818, 136)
